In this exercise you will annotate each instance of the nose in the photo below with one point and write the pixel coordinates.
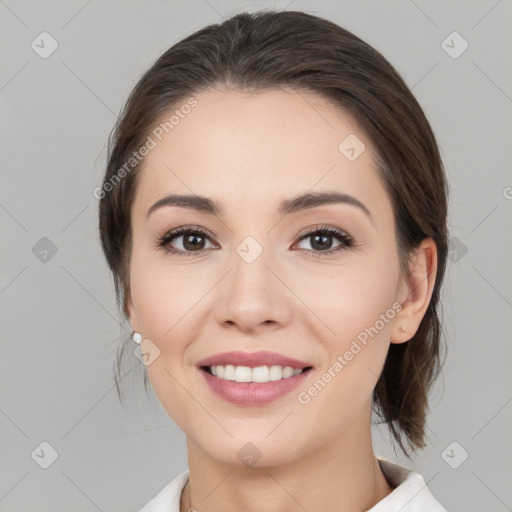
(252, 296)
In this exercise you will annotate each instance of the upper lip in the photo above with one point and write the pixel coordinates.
(253, 359)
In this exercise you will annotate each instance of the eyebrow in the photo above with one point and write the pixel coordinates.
(295, 204)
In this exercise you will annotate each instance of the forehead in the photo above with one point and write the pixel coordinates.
(241, 148)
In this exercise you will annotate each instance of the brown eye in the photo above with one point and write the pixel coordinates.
(188, 241)
(322, 240)
(193, 240)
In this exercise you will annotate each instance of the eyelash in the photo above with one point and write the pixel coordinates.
(164, 241)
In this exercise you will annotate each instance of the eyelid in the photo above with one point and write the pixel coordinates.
(322, 227)
(164, 240)
(169, 235)
(346, 239)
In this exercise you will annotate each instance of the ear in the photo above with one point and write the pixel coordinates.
(130, 309)
(415, 292)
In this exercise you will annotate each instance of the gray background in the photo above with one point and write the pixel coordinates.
(59, 325)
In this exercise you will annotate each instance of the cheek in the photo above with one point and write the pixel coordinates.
(164, 300)
(164, 295)
(169, 304)
(346, 299)
(354, 304)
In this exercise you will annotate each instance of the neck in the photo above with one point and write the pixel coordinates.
(341, 475)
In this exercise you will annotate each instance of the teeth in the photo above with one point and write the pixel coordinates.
(258, 374)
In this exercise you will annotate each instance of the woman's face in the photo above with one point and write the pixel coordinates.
(255, 280)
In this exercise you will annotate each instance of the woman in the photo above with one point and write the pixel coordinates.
(274, 215)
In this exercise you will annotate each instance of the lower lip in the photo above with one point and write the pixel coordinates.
(252, 393)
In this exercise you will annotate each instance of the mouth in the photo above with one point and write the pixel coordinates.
(258, 374)
(253, 378)
(252, 386)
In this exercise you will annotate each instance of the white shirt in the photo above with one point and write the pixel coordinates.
(410, 495)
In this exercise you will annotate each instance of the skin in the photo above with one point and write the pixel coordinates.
(249, 152)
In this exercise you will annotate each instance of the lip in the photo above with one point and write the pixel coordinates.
(253, 359)
(252, 393)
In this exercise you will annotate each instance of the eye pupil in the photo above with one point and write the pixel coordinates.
(188, 242)
(322, 245)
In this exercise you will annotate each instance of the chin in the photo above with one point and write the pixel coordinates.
(258, 451)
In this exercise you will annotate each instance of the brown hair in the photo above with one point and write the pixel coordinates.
(269, 49)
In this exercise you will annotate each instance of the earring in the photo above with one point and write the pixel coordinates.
(402, 328)
(136, 337)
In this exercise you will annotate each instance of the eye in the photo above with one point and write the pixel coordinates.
(321, 240)
(193, 240)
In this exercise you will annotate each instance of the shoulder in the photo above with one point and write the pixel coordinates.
(168, 498)
(411, 493)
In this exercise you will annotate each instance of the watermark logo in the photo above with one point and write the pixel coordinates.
(454, 45)
(342, 360)
(249, 455)
(454, 455)
(352, 147)
(147, 352)
(44, 45)
(44, 250)
(249, 249)
(44, 455)
(151, 143)
(457, 249)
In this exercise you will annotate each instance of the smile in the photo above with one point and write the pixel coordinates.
(274, 382)
(258, 374)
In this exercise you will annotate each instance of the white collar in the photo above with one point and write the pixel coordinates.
(410, 495)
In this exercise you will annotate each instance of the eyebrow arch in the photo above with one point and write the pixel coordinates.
(288, 206)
